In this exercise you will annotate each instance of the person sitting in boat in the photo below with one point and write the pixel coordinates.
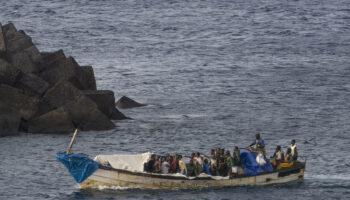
(213, 164)
(277, 157)
(192, 168)
(258, 144)
(165, 165)
(294, 151)
(228, 163)
(173, 164)
(149, 166)
(222, 167)
(236, 157)
(206, 167)
(157, 165)
(182, 166)
(199, 162)
(288, 161)
(222, 153)
(198, 158)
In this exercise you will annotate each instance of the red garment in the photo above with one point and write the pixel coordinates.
(173, 166)
(157, 166)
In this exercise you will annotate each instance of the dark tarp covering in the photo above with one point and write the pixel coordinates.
(79, 166)
(249, 164)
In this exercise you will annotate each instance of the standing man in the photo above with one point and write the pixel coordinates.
(293, 148)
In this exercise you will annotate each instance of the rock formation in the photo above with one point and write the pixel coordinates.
(126, 102)
(46, 92)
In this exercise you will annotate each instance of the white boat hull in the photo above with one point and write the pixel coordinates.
(112, 177)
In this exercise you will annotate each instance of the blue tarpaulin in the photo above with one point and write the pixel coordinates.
(79, 166)
(249, 164)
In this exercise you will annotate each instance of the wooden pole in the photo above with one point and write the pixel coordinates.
(69, 150)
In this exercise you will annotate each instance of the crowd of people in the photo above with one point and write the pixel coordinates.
(220, 162)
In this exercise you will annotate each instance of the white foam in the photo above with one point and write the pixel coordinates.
(105, 187)
(345, 177)
(101, 187)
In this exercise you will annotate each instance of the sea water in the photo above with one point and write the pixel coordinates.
(213, 73)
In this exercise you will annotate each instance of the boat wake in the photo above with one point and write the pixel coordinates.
(103, 187)
(344, 177)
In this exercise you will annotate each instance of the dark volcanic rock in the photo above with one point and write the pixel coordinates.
(81, 109)
(9, 120)
(86, 115)
(96, 120)
(126, 102)
(103, 98)
(90, 77)
(8, 73)
(2, 43)
(66, 69)
(55, 121)
(61, 93)
(117, 115)
(106, 103)
(35, 56)
(17, 43)
(26, 105)
(49, 93)
(32, 84)
(50, 57)
(21, 51)
(22, 61)
(9, 30)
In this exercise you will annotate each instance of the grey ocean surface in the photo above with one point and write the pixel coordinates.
(214, 73)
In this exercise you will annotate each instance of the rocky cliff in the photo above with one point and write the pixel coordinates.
(47, 92)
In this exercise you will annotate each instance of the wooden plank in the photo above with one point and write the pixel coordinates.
(69, 150)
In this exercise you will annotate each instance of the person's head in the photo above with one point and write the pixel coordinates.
(212, 151)
(206, 161)
(292, 142)
(227, 153)
(153, 156)
(278, 148)
(236, 149)
(198, 154)
(257, 136)
(289, 151)
(193, 155)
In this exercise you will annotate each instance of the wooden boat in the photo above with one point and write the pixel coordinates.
(106, 176)
(102, 175)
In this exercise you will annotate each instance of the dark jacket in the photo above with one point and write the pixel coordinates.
(192, 170)
(236, 158)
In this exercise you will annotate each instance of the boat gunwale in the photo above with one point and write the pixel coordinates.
(293, 169)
